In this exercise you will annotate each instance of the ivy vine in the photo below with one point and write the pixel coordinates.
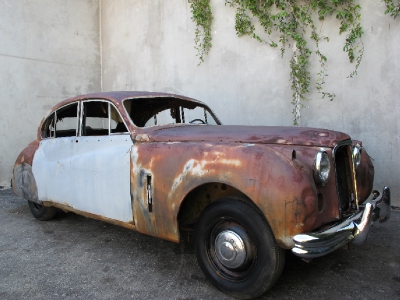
(392, 8)
(295, 23)
(202, 17)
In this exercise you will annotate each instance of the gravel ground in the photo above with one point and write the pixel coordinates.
(72, 257)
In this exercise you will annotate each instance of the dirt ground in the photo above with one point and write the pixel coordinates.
(72, 257)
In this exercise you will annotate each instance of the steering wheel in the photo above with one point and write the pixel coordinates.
(197, 120)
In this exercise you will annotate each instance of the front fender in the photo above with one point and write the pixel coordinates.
(281, 187)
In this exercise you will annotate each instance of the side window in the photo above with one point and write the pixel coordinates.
(48, 128)
(95, 118)
(101, 118)
(67, 120)
(61, 123)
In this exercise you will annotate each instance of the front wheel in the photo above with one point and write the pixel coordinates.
(236, 249)
(40, 212)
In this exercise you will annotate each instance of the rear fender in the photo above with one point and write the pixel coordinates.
(23, 181)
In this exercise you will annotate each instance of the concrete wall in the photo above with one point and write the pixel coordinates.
(49, 51)
(367, 106)
(148, 45)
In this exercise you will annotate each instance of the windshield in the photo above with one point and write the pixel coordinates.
(162, 111)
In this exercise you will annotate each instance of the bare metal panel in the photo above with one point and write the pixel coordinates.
(88, 173)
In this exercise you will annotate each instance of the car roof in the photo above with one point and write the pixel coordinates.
(117, 97)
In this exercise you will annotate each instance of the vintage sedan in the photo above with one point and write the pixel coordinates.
(161, 164)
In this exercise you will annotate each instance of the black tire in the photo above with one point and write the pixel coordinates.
(221, 231)
(42, 213)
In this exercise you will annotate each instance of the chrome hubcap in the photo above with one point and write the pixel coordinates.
(230, 249)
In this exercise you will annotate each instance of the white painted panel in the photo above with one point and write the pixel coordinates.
(90, 173)
(51, 168)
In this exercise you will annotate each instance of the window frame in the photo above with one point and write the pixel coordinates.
(195, 103)
(109, 103)
(55, 121)
(79, 116)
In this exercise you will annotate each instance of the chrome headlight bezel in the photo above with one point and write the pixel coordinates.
(322, 168)
(356, 155)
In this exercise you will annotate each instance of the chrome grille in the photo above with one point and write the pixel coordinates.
(343, 161)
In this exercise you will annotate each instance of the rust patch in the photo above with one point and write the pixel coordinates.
(26, 156)
(289, 204)
(23, 181)
(250, 134)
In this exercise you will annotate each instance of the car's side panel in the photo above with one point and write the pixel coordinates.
(283, 190)
(89, 173)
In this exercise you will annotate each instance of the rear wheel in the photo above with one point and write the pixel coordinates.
(40, 212)
(236, 249)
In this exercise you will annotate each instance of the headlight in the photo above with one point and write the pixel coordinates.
(322, 168)
(356, 155)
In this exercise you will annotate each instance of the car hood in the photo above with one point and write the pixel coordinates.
(249, 134)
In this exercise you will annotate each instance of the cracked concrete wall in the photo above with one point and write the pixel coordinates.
(149, 45)
(49, 52)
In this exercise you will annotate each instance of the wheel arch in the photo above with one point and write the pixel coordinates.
(283, 192)
(203, 195)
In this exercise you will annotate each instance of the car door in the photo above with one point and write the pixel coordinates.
(89, 171)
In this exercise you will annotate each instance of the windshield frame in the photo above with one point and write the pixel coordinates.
(145, 114)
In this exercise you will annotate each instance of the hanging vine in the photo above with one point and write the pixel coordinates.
(392, 8)
(202, 17)
(295, 23)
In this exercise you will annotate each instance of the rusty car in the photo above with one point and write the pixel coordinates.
(163, 164)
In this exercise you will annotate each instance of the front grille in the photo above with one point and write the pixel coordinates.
(343, 161)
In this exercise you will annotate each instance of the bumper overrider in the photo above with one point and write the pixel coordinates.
(353, 229)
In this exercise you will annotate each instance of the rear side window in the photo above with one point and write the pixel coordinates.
(61, 123)
(49, 127)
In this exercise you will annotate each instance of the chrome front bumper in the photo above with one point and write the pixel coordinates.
(353, 229)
